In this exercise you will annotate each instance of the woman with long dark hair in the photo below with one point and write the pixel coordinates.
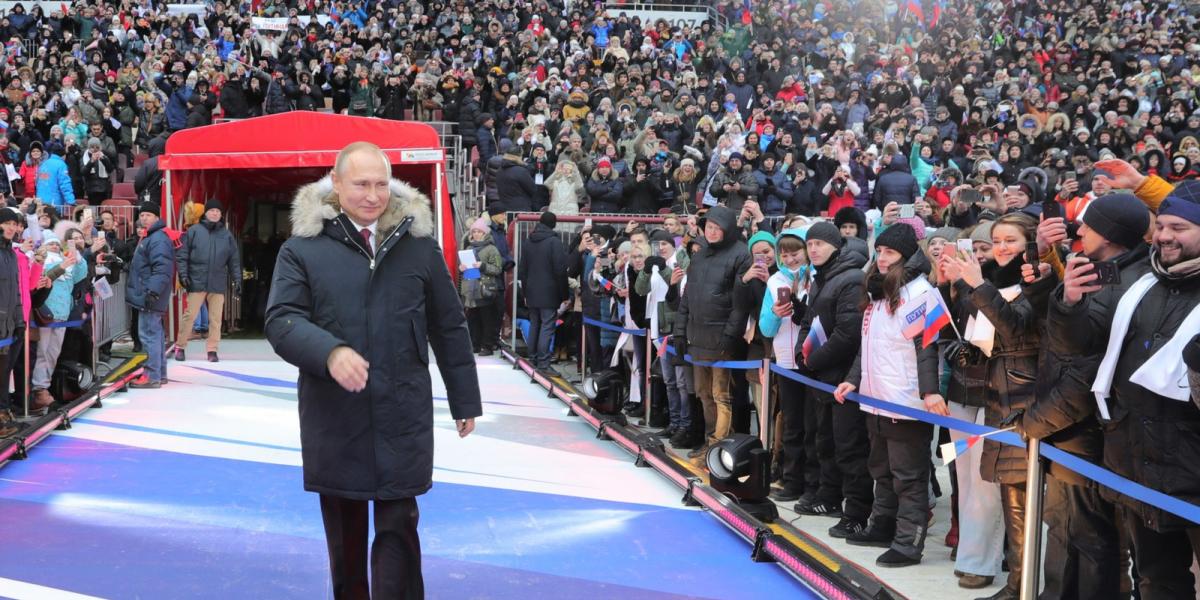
(892, 365)
(1007, 330)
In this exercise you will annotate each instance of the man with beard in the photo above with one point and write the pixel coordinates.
(1152, 430)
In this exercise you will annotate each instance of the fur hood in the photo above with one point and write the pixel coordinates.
(316, 203)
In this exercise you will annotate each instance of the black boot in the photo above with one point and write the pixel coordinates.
(878, 534)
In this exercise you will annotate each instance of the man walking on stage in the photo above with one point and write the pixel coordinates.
(360, 293)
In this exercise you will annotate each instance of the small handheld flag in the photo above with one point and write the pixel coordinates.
(936, 317)
(604, 283)
(815, 339)
(952, 450)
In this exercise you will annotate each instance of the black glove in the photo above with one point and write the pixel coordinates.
(799, 308)
(185, 282)
(654, 261)
(679, 342)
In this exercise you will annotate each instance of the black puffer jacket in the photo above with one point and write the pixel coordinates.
(834, 298)
(1012, 367)
(896, 184)
(1064, 412)
(707, 315)
(1152, 440)
(543, 269)
(327, 292)
(208, 259)
(515, 187)
(605, 194)
(11, 317)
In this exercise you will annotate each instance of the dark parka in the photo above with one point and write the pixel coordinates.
(707, 315)
(605, 193)
(152, 271)
(834, 298)
(11, 315)
(543, 269)
(896, 184)
(1064, 412)
(208, 259)
(1012, 367)
(515, 187)
(748, 189)
(1151, 439)
(327, 292)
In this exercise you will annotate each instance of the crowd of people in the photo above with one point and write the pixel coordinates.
(817, 165)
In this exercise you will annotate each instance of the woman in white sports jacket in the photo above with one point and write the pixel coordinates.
(895, 368)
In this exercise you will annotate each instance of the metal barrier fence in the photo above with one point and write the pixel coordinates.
(110, 318)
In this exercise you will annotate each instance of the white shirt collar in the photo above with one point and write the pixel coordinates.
(370, 227)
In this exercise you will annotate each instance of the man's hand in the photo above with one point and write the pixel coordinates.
(1051, 233)
(676, 275)
(348, 368)
(843, 388)
(1121, 175)
(465, 426)
(891, 213)
(1077, 278)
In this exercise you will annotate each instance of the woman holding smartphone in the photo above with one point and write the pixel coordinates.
(1008, 332)
(900, 369)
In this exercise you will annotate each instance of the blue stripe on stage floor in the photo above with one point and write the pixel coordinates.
(251, 379)
(119, 521)
(183, 434)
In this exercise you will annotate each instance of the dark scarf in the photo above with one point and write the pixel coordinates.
(1006, 276)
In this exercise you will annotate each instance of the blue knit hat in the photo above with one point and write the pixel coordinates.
(1183, 202)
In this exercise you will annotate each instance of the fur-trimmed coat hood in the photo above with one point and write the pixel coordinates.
(316, 203)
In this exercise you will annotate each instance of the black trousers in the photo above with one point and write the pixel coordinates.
(846, 474)
(1082, 546)
(899, 463)
(801, 470)
(395, 553)
(818, 442)
(15, 364)
(1163, 559)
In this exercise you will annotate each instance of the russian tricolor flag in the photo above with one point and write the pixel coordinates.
(604, 283)
(914, 318)
(816, 338)
(936, 317)
(953, 450)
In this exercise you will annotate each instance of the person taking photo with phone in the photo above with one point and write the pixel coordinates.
(1139, 328)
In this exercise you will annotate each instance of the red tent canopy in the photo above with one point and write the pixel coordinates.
(271, 157)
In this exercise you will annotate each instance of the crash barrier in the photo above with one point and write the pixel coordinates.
(1034, 449)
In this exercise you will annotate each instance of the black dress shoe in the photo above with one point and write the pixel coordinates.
(212, 357)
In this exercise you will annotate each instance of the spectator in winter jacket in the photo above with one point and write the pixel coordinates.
(708, 324)
(734, 185)
(515, 189)
(483, 295)
(804, 193)
(543, 280)
(839, 191)
(775, 188)
(148, 291)
(64, 270)
(54, 185)
(485, 137)
(605, 189)
(11, 306)
(643, 189)
(209, 267)
(895, 184)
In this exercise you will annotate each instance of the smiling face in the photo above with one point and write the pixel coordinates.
(361, 182)
(1008, 242)
(1177, 239)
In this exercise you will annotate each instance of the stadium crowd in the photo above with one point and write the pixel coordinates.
(818, 166)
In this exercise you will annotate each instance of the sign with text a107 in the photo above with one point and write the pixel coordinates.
(674, 18)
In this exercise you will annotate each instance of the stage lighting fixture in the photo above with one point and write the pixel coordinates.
(70, 380)
(605, 392)
(738, 466)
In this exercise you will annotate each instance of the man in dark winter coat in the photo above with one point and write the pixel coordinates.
(774, 186)
(485, 137)
(147, 182)
(468, 115)
(839, 434)
(709, 324)
(734, 185)
(1081, 544)
(1151, 429)
(542, 273)
(207, 263)
(896, 184)
(514, 184)
(149, 292)
(360, 293)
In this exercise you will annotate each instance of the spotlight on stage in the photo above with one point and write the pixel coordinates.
(738, 466)
(70, 380)
(605, 392)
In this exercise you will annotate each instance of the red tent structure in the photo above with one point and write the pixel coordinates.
(270, 157)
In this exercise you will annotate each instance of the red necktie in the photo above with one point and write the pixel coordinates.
(366, 236)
